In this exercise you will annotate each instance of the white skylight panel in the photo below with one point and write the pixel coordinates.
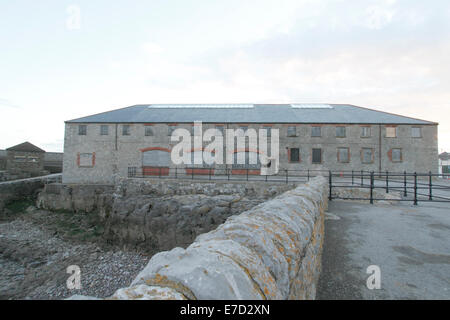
(201, 106)
(312, 106)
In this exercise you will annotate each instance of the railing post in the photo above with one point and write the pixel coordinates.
(308, 174)
(209, 173)
(430, 197)
(228, 173)
(287, 176)
(330, 183)
(247, 174)
(362, 178)
(192, 173)
(415, 188)
(176, 173)
(405, 192)
(371, 187)
(387, 181)
(353, 177)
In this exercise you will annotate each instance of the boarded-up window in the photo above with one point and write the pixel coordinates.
(292, 131)
(365, 132)
(416, 132)
(86, 160)
(104, 130)
(294, 155)
(156, 158)
(316, 131)
(343, 155)
(391, 132)
(340, 132)
(82, 130)
(316, 155)
(171, 129)
(396, 155)
(148, 131)
(126, 130)
(367, 155)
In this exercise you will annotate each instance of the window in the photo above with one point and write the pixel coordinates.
(132, 172)
(367, 155)
(33, 159)
(249, 157)
(20, 158)
(365, 132)
(104, 130)
(82, 130)
(397, 155)
(126, 130)
(292, 131)
(316, 131)
(148, 131)
(269, 130)
(391, 132)
(416, 132)
(221, 129)
(171, 129)
(343, 155)
(86, 160)
(316, 155)
(340, 132)
(294, 155)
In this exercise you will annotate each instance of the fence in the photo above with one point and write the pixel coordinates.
(415, 187)
(408, 184)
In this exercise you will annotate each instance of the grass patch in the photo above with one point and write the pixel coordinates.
(19, 206)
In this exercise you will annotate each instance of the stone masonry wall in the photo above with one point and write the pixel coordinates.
(20, 189)
(155, 215)
(272, 251)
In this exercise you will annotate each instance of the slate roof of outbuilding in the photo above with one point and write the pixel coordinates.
(250, 113)
(25, 147)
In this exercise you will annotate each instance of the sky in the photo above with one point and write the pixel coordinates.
(61, 60)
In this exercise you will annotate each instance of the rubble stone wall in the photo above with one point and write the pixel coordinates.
(271, 251)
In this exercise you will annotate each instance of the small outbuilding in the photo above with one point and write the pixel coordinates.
(25, 159)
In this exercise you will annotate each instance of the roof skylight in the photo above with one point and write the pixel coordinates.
(200, 106)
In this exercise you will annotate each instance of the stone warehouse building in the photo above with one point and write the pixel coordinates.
(102, 147)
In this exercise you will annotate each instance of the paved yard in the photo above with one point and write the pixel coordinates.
(410, 244)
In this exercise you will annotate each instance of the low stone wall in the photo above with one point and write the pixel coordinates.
(272, 251)
(156, 215)
(78, 198)
(22, 189)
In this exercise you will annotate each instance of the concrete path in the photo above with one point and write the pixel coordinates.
(410, 244)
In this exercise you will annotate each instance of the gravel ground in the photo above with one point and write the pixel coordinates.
(36, 248)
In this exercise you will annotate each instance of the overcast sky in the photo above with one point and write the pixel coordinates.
(61, 60)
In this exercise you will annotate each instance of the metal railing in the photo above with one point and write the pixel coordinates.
(406, 184)
(228, 174)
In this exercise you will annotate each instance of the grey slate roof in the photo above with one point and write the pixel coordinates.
(251, 113)
(25, 147)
